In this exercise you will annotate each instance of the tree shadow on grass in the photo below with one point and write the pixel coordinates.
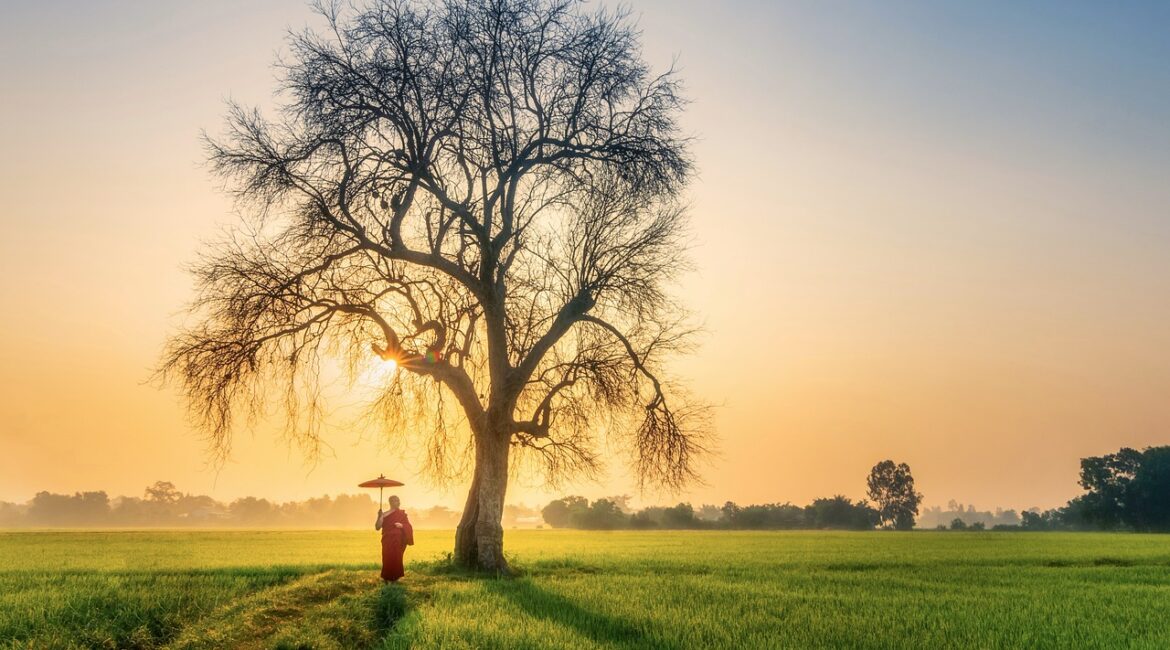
(552, 607)
(392, 606)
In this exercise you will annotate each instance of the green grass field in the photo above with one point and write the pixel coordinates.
(319, 589)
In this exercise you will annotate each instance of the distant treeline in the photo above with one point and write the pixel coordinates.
(162, 504)
(1125, 491)
(611, 513)
(1128, 490)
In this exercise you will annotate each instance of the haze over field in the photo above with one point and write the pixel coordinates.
(935, 234)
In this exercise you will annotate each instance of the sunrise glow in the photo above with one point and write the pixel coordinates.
(917, 231)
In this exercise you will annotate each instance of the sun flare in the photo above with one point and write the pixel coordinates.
(386, 368)
(378, 373)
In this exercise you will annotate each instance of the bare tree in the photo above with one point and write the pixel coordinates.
(484, 192)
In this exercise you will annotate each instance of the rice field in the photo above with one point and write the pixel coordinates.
(620, 589)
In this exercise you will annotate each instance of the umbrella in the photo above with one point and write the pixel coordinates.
(380, 483)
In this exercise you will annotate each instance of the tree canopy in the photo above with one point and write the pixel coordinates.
(484, 192)
(1129, 489)
(891, 486)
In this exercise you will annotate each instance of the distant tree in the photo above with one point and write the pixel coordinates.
(577, 512)
(680, 516)
(769, 516)
(163, 492)
(353, 504)
(1036, 520)
(891, 487)
(316, 510)
(709, 513)
(643, 519)
(603, 514)
(132, 511)
(252, 511)
(1006, 518)
(195, 503)
(958, 524)
(1031, 520)
(159, 506)
(1128, 489)
(622, 502)
(80, 509)
(978, 525)
(11, 514)
(730, 511)
(649, 517)
(786, 516)
(839, 512)
(1150, 494)
(560, 513)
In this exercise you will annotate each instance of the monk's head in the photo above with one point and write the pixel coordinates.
(395, 502)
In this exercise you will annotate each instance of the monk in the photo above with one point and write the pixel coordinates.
(397, 534)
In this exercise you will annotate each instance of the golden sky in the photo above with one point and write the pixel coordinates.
(934, 234)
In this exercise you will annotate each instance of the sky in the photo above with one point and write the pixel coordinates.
(932, 232)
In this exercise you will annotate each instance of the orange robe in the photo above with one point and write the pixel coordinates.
(394, 543)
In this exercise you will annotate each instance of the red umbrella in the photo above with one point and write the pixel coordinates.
(380, 483)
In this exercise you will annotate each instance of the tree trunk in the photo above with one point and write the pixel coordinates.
(479, 539)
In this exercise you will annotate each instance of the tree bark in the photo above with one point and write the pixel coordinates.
(479, 539)
(465, 553)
